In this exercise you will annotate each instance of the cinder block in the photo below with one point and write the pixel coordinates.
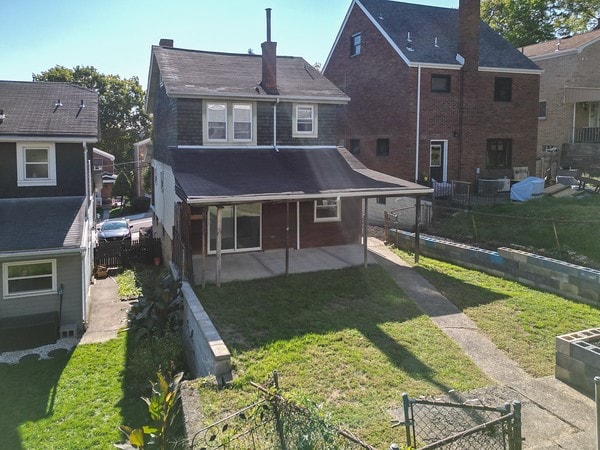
(563, 345)
(569, 289)
(562, 374)
(563, 360)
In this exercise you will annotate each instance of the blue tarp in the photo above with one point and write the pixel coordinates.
(527, 188)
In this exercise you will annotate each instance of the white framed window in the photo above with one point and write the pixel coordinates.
(328, 210)
(305, 121)
(229, 122)
(355, 43)
(27, 278)
(36, 164)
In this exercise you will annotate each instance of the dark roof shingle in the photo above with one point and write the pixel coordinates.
(57, 223)
(199, 73)
(426, 23)
(30, 110)
(235, 174)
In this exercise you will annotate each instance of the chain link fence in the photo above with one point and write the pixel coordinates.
(431, 425)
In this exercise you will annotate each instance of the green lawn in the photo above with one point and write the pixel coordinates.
(521, 321)
(349, 340)
(532, 224)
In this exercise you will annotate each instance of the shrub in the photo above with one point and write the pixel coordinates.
(140, 204)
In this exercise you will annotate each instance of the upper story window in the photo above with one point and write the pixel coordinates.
(383, 147)
(36, 164)
(440, 83)
(229, 122)
(355, 43)
(542, 110)
(355, 146)
(499, 153)
(503, 89)
(305, 121)
(327, 210)
(27, 278)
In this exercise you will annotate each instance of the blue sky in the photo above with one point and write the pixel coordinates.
(115, 36)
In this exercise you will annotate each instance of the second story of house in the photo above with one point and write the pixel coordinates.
(569, 103)
(422, 75)
(46, 136)
(224, 100)
(103, 162)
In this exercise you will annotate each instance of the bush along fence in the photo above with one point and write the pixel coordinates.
(565, 279)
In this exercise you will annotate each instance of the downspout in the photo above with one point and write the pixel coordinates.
(298, 225)
(88, 233)
(418, 123)
(275, 124)
(573, 128)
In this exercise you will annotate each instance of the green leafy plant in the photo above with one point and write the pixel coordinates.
(157, 311)
(163, 407)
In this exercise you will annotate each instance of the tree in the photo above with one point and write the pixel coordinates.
(122, 187)
(524, 22)
(123, 120)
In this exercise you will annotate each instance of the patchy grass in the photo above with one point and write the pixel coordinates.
(128, 285)
(532, 224)
(347, 339)
(521, 321)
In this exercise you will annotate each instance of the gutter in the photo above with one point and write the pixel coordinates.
(418, 131)
(48, 252)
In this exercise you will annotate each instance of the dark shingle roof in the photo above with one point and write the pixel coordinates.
(425, 23)
(41, 223)
(30, 110)
(198, 73)
(235, 174)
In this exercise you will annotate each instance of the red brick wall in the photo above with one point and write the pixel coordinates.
(383, 92)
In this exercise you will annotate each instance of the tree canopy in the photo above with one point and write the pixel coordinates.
(123, 120)
(525, 22)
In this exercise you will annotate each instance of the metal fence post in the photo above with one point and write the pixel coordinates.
(517, 438)
(596, 398)
(278, 422)
(407, 418)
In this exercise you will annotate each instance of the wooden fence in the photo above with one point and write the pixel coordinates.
(124, 254)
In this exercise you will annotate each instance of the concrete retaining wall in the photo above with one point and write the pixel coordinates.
(206, 353)
(568, 280)
(578, 359)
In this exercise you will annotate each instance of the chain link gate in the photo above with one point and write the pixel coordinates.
(461, 426)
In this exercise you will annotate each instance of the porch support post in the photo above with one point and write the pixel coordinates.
(287, 238)
(417, 232)
(364, 233)
(219, 238)
(573, 128)
(204, 244)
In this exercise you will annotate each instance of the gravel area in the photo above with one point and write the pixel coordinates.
(43, 352)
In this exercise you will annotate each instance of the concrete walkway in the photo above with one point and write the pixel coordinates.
(554, 415)
(108, 314)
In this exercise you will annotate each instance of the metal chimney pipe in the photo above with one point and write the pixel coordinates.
(268, 24)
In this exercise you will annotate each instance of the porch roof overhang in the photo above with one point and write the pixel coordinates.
(582, 94)
(237, 175)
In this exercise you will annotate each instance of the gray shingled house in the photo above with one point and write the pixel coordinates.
(245, 157)
(46, 210)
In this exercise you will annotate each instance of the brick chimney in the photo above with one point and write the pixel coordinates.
(166, 43)
(468, 32)
(269, 61)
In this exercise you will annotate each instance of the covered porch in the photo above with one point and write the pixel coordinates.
(271, 263)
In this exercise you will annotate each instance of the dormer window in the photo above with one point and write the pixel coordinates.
(229, 123)
(305, 121)
(36, 164)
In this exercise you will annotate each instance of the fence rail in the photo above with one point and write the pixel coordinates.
(461, 426)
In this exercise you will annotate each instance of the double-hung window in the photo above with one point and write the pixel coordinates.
(27, 278)
(499, 153)
(229, 123)
(327, 210)
(305, 121)
(355, 44)
(36, 164)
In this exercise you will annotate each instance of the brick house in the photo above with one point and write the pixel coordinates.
(436, 93)
(244, 157)
(569, 102)
(46, 210)
(104, 175)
